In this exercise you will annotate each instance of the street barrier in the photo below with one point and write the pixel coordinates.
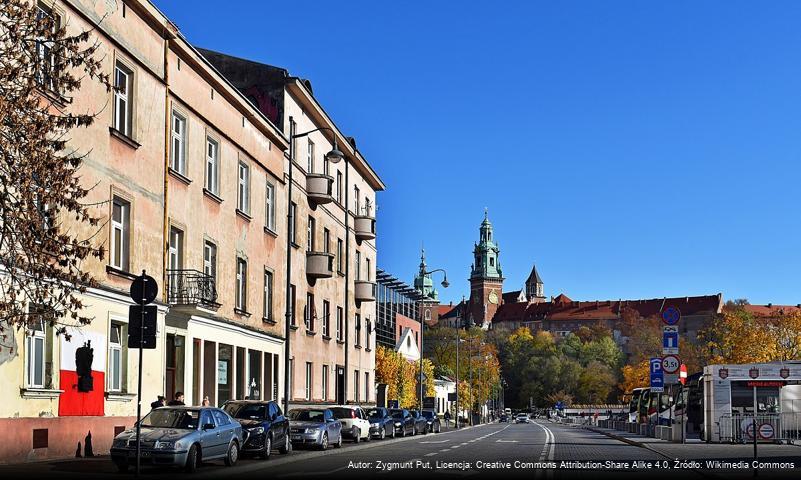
(770, 427)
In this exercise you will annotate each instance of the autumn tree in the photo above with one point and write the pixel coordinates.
(41, 195)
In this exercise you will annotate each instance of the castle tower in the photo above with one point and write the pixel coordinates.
(486, 277)
(534, 287)
(424, 285)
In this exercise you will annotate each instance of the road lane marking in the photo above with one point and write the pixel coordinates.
(500, 440)
(430, 454)
(437, 441)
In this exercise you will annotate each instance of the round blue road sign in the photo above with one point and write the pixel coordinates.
(671, 315)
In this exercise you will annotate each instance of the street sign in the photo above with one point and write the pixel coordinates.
(766, 431)
(144, 289)
(671, 315)
(670, 378)
(671, 364)
(670, 340)
(656, 374)
(142, 326)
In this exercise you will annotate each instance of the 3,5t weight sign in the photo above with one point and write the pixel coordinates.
(671, 364)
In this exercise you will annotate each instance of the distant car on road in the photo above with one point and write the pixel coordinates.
(404, 422)
(434, 425)
(504, 418)
(264, 426)
(314, 426)
(180, 436)
(355, 424)
(420, 422)
(382, 424)
(521, 418)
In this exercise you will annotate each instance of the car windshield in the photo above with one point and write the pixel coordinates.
(307, 415)
(251, 411)
(428, 415)
(397, 414)
(172, 418)
(343, 413)
(375, 414)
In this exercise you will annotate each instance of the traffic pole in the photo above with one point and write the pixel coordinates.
(142, 303)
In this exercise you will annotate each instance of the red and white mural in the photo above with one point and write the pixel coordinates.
(82, 375)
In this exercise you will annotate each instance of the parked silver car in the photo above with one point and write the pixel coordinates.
(180, 436)
(314, 427)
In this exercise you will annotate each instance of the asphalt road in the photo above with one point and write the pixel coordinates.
(497, 451)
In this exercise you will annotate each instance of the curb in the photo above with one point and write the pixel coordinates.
(622, 439)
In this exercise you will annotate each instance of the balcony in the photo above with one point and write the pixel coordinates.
(364, 227)
(364, 291)
(319, 187)
(191, 287)
(319, 265)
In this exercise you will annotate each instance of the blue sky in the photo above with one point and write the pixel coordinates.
(631, 149)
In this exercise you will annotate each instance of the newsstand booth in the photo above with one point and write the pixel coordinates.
(732, 393)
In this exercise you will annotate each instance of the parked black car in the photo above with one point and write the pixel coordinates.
(404, 422)
(420, 422)
(432, 419)
(264, 424)
(382, 424)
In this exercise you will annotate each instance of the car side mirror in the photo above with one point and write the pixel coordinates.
(208, 426)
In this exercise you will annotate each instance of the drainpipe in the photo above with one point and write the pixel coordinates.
(347, 281)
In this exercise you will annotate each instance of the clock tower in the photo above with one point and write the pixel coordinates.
(486, 278)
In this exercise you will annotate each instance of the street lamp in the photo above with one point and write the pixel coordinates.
(334, 156)
(445, 284)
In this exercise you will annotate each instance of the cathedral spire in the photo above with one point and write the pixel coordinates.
(423, 282)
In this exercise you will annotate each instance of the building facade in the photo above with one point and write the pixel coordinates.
(398, 307)
(191, 172)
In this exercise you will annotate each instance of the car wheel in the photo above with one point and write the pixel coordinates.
(439, 428)
(122, 466)
(357, 436)
(233, 454)
(414, 430)
(403, 431)
(324, 442)
(287, 445)
(383, 434)
(268, 446)
(192, 459)
(393, 432)
(339, 441)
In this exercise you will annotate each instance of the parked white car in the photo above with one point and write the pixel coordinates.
(355, 423)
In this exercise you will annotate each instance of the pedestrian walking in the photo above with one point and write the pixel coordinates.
(447, 418)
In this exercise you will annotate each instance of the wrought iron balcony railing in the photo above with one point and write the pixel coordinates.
(191, 287)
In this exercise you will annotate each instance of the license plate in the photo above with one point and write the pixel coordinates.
(133, 454)
(296, 437)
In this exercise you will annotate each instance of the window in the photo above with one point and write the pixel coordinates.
(356, 200)
(268, 295)
(178, 152)
(292, 302)
(367, 331)
(269, 210)
(339, 187)
(367, 264)
(308, 380)
(326, 166)
(325, 383)
(366, 386)
(339, 255)
(210, 259)
(212, 166)
(241, 284)
(115, 364)
(35, 344)
(310, 157)
(358, 326)
(310, 235)
(176, 248)
(340, 329)
(122, 99)
(243, 202)
(120, 233)
(358, 265)
(308, 313)
(326, 240)
(44, 49)
(326, 320)
(356, 385)
(293, 210)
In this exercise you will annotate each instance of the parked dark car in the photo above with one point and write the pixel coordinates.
(420, 422)
(404, 422)
(382, 424)
(180, 436)
(314, 426)
(432, 419)
(264, 425)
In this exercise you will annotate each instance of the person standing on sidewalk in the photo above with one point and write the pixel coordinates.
(447, 417)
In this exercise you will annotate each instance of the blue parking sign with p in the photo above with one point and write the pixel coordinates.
(657, 375)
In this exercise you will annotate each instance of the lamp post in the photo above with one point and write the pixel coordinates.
(445, 284)
(334, 156)
(458, 341)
